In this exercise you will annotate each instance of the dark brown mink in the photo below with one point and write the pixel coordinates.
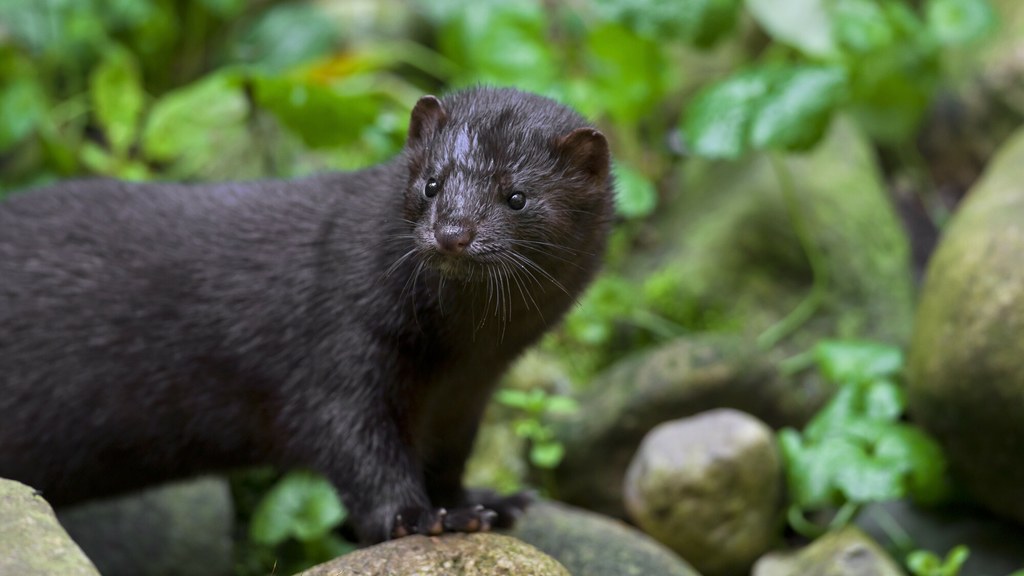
(350, 323)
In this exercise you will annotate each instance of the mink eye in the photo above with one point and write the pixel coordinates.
(431, 189)
(517, 200)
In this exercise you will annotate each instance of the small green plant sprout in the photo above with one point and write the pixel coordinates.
(857, 450)
(546, 452)
(302, 508)
(925, 563)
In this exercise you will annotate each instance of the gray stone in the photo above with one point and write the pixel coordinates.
(681, 378)
(449, 555)
(589, 544)
(32, 542)
(966, 361)
(710, 488)
(182, 529)
(848, 552)
(997, 547)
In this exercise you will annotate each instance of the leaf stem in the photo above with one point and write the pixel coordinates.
(810, 304)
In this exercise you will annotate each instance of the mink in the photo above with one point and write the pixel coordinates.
(352, 323)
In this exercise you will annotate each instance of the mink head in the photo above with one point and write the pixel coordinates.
(502, 180)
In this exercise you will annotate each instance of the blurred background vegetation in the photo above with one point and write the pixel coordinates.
(198, 90)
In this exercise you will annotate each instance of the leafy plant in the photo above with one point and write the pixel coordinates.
(857, 450)
(301, 509)
(877, 59)
(533, 405)
(924, 563)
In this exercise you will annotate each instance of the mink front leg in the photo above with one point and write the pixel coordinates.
(363, 451)
(455, 430)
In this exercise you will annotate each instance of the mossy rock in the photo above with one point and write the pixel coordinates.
(589, 544)
(449, 555)
(734, 240)
(32, 542)
(966, 362)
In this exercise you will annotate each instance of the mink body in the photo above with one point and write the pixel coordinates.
(351, 323)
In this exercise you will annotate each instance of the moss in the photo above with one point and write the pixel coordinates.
(966, 374)
(32, 541)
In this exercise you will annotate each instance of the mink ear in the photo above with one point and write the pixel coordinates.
(427, 118)
(586, 149)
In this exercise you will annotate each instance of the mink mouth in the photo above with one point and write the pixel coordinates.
(462, 267)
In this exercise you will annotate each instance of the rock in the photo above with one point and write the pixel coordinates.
(180, 529)
(710, 488)
(995, 545)
(848, 552)
(450, 555)
(966, 360)
(589, 544)
(32, 542)
(682, 378)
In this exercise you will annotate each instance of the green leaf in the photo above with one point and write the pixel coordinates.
(261, 43)
(192, 122)
(609, 299)
(96, 159)
(778, 107)
(547, 454)
(699, 22)
(527, 428)
(863, 479)
(796, 113)
(561, 405)
(921, 459)
(513, 398)
(883, 400)
(843, 361)
(812, 470)
(836, 416)
(301, 505)
(926, 563)
(22, 110)
(627, 72)
(892, 84)
(803, 24)
(955, 22)
(117, 98)
(502, 43)
(717, 121)
(861, 26)
(635, 195)
(322, 116)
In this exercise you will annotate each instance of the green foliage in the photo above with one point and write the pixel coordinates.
(635, 196)
(924, 563)
(783, 107)
(857, 450)
(301, 509)
(878, 59)
(701, 23)
(546, 452)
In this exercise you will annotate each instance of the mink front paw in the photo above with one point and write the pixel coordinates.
(507, 508)
(435, 521)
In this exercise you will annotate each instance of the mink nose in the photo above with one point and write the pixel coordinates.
(453, 238)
